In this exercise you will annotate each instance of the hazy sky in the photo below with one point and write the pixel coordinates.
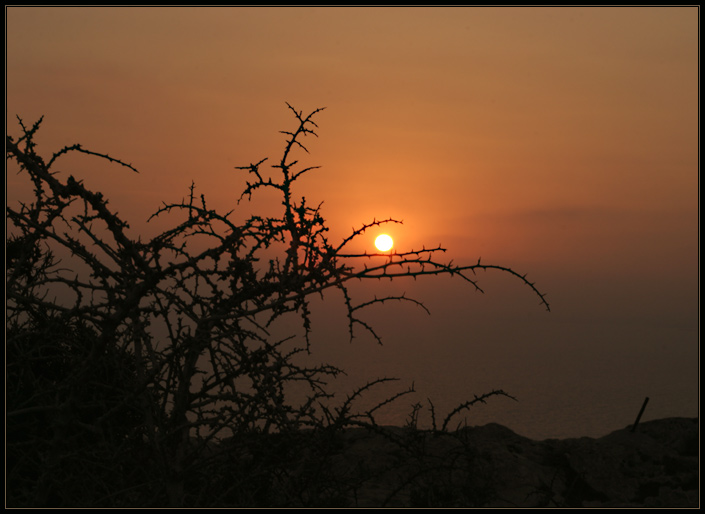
(562, 142)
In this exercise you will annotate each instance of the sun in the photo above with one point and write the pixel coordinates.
(384, 242)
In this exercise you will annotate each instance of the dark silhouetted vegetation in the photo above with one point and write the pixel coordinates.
(145, 373)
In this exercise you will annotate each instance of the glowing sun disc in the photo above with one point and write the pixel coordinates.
(384, 243)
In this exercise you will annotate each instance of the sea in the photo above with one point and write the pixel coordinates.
(570, 374)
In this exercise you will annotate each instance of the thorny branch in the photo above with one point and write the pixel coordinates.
(180, 325)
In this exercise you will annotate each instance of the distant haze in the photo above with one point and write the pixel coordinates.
(560, 141)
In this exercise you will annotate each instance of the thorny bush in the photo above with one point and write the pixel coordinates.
(129, 362)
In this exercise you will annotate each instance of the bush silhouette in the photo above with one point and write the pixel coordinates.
(143, 373)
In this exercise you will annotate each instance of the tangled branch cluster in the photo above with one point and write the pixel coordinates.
(121, 349)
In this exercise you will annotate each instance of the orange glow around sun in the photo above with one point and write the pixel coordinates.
(384, 242)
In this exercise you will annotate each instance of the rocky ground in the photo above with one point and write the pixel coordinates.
(491, 466)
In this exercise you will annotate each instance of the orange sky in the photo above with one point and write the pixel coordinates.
(562, 142)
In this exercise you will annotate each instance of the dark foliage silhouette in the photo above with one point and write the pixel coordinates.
(144, 373)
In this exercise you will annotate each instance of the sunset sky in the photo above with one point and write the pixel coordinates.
(559, 141)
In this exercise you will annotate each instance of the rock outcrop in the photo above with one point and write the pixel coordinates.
(655, 466)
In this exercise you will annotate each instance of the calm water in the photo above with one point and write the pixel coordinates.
(544, 412)
(574, 373)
